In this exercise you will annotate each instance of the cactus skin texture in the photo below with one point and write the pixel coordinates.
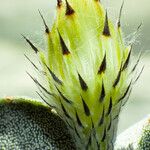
(29, 125)
(87, 71)
(144, 143)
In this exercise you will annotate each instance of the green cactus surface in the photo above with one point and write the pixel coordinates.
(86, 71)
(144, 143)
(30, 125)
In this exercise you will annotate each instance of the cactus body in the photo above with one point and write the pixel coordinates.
(28, 125)
(135, 137)
(144, 143)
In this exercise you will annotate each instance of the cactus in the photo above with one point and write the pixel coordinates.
(26, 124)
(144, 143)
(136, 137)
(86, 71)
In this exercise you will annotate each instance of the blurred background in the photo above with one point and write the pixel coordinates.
(21, 17)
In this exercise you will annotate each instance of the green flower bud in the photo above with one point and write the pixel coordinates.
(87, 71)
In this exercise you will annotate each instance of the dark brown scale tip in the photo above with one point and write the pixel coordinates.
(93, 127)
(102, 118)
(119, 24)
(69, 9)
(93, 132)
(31, 62)
(104, 136)
(30, 43)
(78, 120)
(102, 67)
(64, 98)
(98, 145)
(75, 129)
(89, 142)
(44, 100)
(109, 126)
(86, 108)
(64, 111)
(55, 78)
(65, 50)
(118, 78)
(126, 92)
(139, 75)
(120, 13)
(59, 2)
(129, 93)
(78, 135)
(137, 62)
(46, 27)
(82, 83)
(127, 61)
(102, 95)
(110, 107)
(106, 31)
(39, 85)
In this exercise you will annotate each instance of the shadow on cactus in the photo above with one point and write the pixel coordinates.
(85, 74)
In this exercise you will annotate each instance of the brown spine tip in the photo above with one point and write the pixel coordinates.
(44, 100)
(65, 50)
(64, 98)
(102, 67)
(30, 43)
(126, 92)
(109, 126)
(86, 108)
(118, 78)
(75, 129)
(59, 2)
(38, 84)
(78, 120)
(46, 27)
(104, 136)
(89, 142)
(69, 9)
(106, 31)
(97, 0)
(55, 78)
(127, 60)
(102, 118)
(139, 75)
(65, 112)
(120, 13)
(82, 83)
(31, 62)
(102, 95)
(110, 107)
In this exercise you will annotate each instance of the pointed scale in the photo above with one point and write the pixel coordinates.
(46, 27)
(102, 94)
(69, 9)
(86, 108)
(127, 60)
(65, 50)
(102, 67)
(82, 83)
(106, 31)
(59, 2)
(30, 43)
(120, 13)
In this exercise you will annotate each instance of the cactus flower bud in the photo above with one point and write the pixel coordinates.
(87, 71)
